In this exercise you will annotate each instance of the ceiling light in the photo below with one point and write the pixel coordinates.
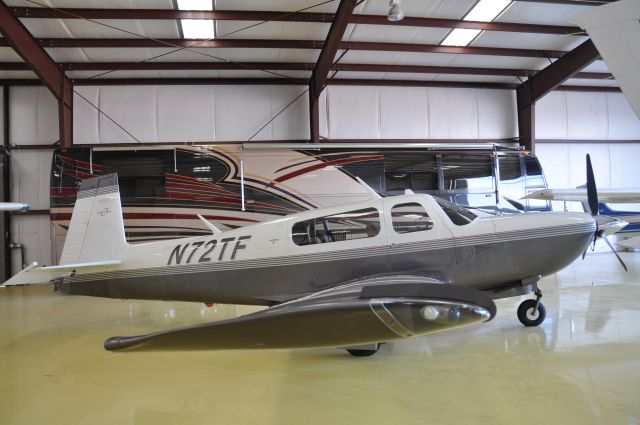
(197, 28)
(395, 13)
(195, 5)
(460, 37)
(483, 11)
(487, 10)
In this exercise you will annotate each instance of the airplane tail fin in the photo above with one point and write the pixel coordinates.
(605, 210)
(96, 231)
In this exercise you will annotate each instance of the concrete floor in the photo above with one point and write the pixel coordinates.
(581, 366)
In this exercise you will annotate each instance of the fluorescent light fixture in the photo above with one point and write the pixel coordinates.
(487, 10)
(195, 5)
(460, 37)
(483, 11)
(197, 28)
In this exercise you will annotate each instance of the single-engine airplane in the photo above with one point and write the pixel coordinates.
(350, 276)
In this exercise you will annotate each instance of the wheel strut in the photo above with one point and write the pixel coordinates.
(538, 294)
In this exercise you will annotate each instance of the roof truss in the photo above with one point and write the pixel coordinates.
(282, 16)
(17, 36)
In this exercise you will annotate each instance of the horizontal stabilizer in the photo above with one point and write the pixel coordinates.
(349, 315)
(38, 274)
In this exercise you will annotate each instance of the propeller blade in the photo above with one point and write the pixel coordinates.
(592, 191)
(624, 266)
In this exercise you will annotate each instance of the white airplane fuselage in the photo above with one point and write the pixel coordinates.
(261, 263)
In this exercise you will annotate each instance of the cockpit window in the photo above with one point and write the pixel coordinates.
(458, 215)
(410, 217)
(344, 226)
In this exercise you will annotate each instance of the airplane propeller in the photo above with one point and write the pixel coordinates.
(601, 225)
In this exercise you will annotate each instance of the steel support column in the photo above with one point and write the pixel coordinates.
(325, 61)
(527, 125)
(6, 186)
(548, 79)
(19, 38)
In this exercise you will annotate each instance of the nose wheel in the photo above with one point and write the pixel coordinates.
(532, 312)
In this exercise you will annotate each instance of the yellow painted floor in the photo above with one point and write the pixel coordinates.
(581, 367)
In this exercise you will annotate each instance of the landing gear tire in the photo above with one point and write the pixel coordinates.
(529, 315)
(356, 352)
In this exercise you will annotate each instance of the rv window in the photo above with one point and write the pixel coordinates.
(457, 214)
(535, 180)
(398, 181)
(415, 170)
(511, 179)
(199, 166)
(141, 174)
(467, 172)
(534, 172)
(338, 227)
(410, 217)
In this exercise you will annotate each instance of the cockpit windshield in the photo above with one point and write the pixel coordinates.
(458, 214)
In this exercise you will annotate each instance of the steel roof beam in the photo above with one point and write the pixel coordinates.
(19, 38)
(545, 81)
(285, 81)
(242, 15)
(294, 81)
(558, 72)
(321, 70)
(290, 44)
(295, 66)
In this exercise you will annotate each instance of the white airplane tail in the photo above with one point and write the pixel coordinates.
(96, 231)
(95, 239)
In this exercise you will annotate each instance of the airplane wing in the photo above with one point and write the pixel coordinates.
(369, 310)
(34, 274)
(618, 196)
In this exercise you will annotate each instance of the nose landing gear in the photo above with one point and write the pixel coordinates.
(532, 312)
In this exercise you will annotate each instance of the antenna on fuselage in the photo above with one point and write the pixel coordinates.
(373, 193)
(210, 225)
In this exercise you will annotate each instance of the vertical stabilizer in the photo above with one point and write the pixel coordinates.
(96, 231)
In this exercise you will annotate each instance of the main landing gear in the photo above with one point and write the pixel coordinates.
(532, 312)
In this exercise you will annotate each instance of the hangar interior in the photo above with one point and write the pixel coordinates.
(124, 74)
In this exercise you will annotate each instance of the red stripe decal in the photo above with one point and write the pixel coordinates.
(327, 164)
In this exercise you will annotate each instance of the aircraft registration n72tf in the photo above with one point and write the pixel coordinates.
(349, 276)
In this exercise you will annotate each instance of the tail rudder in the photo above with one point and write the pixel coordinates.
(96, 231)
(605, 210)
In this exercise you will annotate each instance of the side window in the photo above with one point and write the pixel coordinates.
(338, 227)
(410, 217)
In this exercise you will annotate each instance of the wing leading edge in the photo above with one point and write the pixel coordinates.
(369, 310)
(619, 196)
